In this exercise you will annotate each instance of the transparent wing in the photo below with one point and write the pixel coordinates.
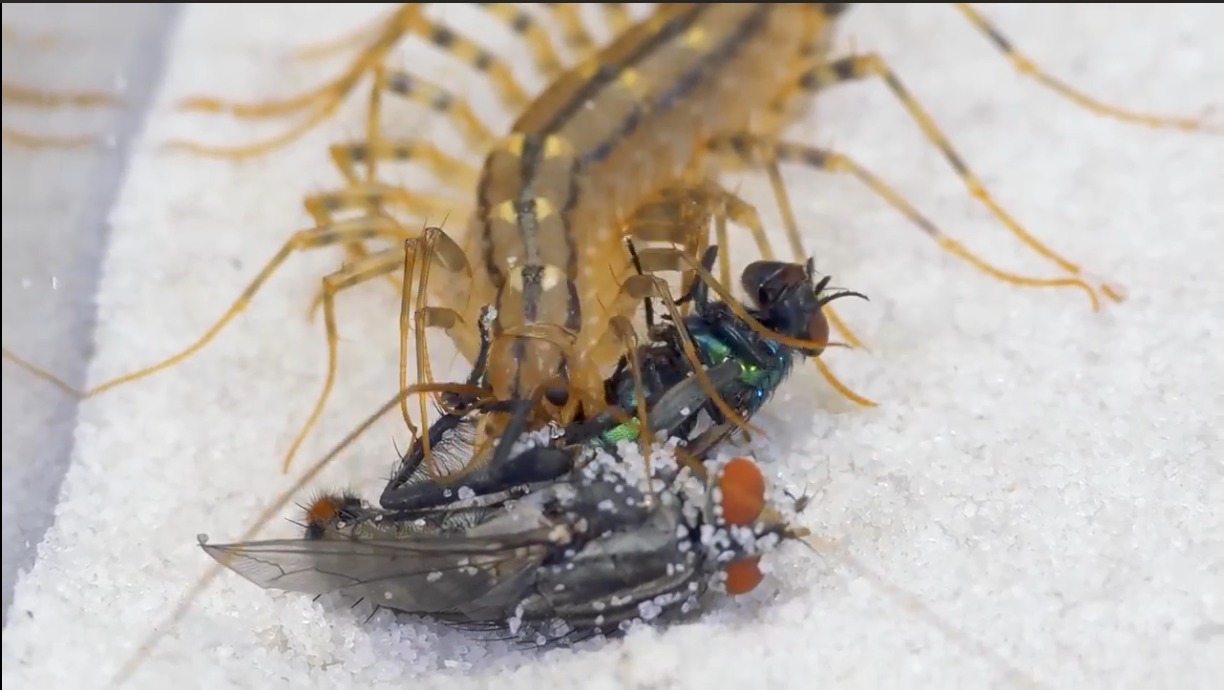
(480, 578)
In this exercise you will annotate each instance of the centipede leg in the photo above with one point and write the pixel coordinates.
(323, 101)
(681, 216)
(351, 275)
(365, 193)
(348, 156)
(636, 288)
(419, 257)
(712, 198)
(338, 233)
(27, 140)
(831, 161)
(678, 215)
(475, 133)
(617, 15)
(622, 329)
(543, 52)
(573, 30)
(362, 35)
(656, 259)
(15, 94)
(449, 169)
(19, 95)
(1026, 67)
(871, 65)
(373, 199)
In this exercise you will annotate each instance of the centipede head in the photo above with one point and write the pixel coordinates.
(792, 300)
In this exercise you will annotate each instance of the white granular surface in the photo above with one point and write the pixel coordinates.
(1040, 477)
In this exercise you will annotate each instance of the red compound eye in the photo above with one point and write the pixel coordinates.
(744, 575)
(743, 491)
(818, 329)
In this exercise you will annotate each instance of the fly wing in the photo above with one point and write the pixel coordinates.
(434, 574)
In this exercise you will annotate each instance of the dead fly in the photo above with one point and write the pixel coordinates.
(653, 389)
(549, 536)
(744, 363)
(582, 556)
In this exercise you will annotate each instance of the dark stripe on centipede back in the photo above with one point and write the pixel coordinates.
(529, 225)
(531, 290)
(573, 320)
(682, 87)
(571, 202)
(531, 156)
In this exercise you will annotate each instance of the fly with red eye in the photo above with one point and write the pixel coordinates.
(591, 553)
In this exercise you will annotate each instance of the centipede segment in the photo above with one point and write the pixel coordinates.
(544, 245)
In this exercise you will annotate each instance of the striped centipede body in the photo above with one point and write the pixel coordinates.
(566, 186)
(670, 102)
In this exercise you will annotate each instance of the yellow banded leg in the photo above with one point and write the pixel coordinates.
(337, 234)
(351, 275)
(574, 31)
(323, 101)
(15, 94)
(861, 66)
(1026, 67)
(655, 259)
(543, 52)
(639, 287)
(419, 256)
